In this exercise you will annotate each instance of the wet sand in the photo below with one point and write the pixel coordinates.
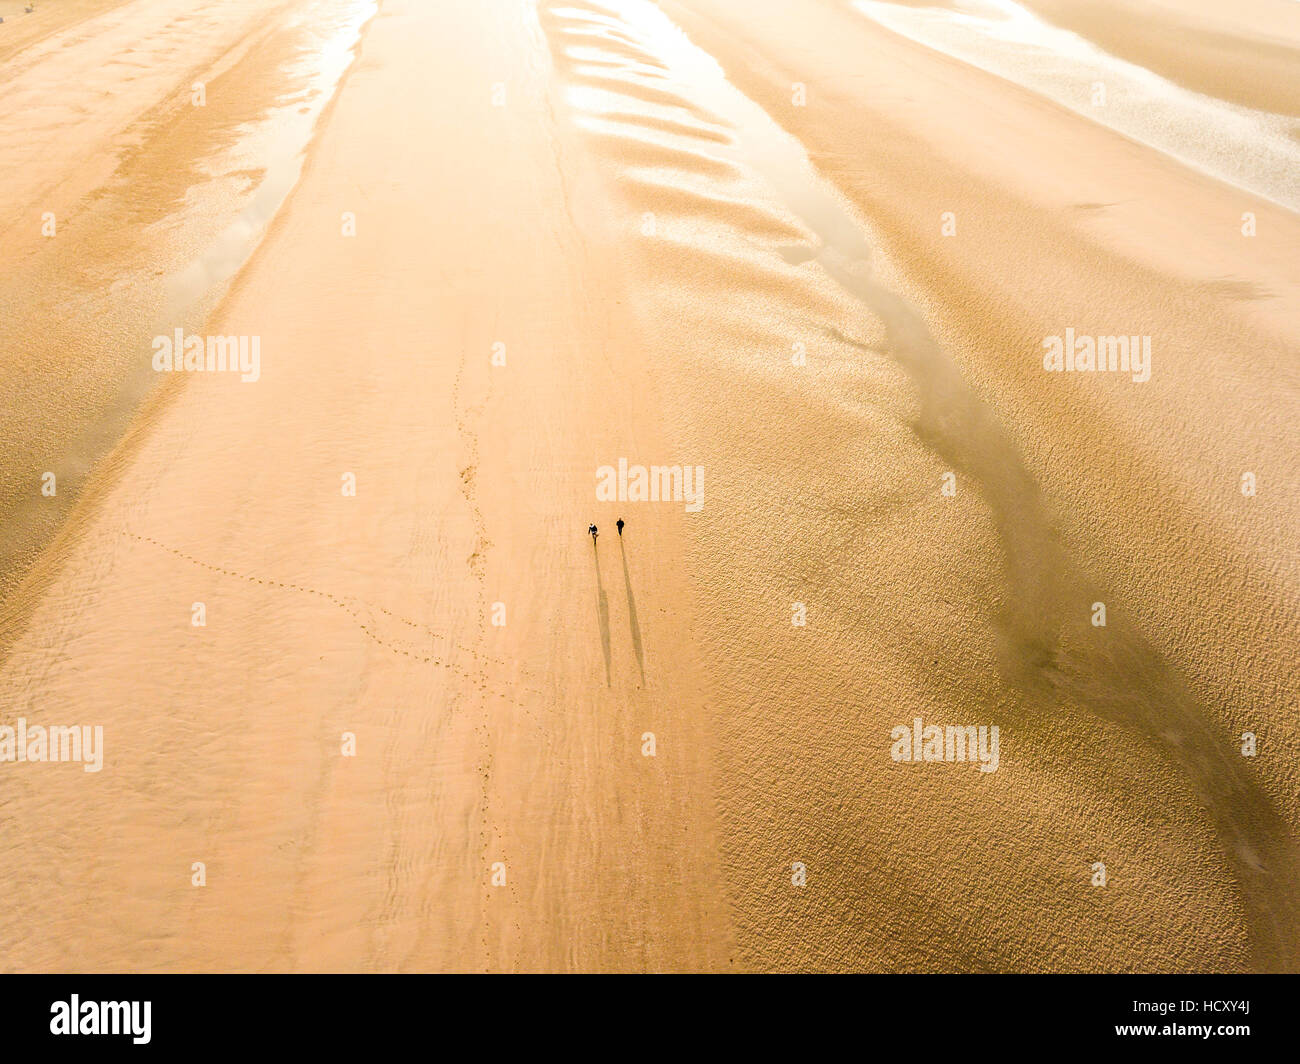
(1242, 52)
(626, 201)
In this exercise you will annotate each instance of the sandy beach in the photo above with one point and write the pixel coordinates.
(371, 698)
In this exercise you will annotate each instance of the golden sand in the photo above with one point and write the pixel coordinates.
(513, 243)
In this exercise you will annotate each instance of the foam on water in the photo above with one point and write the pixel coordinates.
(1254, 150)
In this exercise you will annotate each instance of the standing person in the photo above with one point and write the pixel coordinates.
(619, 525)
(593, 532)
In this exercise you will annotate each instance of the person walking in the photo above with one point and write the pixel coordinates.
(619, 525)
(593, 532)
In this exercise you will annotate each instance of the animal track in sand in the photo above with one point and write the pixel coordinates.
(352, 605)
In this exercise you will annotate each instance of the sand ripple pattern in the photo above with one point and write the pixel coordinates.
(682, 146)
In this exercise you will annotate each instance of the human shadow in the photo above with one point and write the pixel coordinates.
(631, 613)
(602, 610)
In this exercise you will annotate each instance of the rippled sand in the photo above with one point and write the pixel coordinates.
(696, 232)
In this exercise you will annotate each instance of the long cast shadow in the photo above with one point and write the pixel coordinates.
(602, 609)
(631, 613)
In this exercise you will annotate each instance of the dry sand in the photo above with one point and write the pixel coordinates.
(651, 226)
